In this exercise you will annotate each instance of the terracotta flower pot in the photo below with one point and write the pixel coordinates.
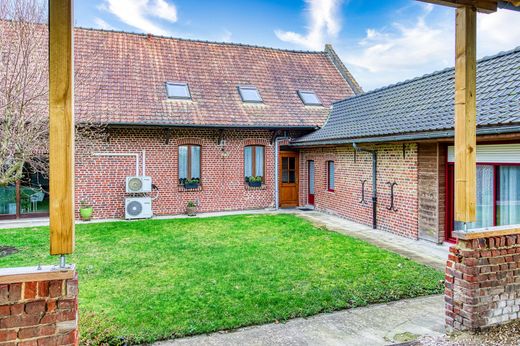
(191, 211)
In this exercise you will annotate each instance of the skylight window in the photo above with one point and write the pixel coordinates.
(249, 94)
(309, 98)
(178, 91)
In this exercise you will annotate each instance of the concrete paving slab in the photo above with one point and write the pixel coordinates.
(380, 324)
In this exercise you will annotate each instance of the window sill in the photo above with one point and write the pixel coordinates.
(181, 188)
(495, 231)
(252, 188)
(329, 190)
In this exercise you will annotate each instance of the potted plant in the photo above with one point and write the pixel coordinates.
(254, 181)
(192, 183)
(85, 210)
(191, 208)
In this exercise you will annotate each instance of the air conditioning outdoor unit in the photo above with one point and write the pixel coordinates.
(138, 184)
(138, 208)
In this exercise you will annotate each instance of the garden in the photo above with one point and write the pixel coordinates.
(150, 280)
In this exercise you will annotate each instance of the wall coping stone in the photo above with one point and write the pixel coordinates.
(42, 273)
(488, 232)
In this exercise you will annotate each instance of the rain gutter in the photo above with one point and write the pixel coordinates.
(408, 137)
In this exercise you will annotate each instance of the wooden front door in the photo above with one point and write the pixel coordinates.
(288, 176)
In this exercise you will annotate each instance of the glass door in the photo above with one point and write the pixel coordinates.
(8, 202)
(34, 197)
(27, 198)
(485, 198)
(508, 195)
(498, 197)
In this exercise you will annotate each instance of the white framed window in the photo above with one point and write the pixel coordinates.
(254, 161)
(189, 162)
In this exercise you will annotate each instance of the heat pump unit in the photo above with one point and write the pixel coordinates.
(138, 184)
(138, 208)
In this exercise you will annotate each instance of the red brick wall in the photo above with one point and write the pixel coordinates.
(483, 282)
(101, 180)
(344, 201)
(39, 312)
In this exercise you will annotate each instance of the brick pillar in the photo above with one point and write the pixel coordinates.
(483, 280)
(38, 307)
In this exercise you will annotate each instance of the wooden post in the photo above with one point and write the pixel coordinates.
(61, 127)
(465, 114)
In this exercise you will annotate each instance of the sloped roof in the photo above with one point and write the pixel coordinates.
(131, 71)
(424, 107)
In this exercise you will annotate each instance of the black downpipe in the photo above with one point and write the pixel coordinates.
(374, 182)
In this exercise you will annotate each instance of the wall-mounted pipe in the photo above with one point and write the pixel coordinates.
(123, 155)
(374, 181)
(144, 162)
(276, 166)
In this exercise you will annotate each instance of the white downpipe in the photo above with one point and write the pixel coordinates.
(124, 155)
(276, 165)
(144, 162)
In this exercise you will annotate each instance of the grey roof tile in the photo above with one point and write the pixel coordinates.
(425, 103)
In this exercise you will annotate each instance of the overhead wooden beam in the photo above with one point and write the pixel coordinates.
(61, 127)
(486, 6)
(465, 114)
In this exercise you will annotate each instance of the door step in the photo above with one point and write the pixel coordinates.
(306, 208)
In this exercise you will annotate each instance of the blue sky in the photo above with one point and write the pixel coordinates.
(381, 42)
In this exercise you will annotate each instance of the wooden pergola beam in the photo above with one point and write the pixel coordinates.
(485, 6)
(61, 127)
(465, 114)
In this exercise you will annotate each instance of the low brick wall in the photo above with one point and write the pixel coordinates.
(483, 280)
(38, 307)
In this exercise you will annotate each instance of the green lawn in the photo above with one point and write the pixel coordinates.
(156, 279)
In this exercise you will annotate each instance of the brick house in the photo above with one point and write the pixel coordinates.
(203, 118)
(184, 110)
(409, 127)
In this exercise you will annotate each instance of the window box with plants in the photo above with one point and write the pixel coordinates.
(190, 184)
(85, 210)
(254, 181)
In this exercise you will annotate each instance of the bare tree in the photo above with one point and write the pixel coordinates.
(24, 90)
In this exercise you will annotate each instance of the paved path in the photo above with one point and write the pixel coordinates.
(380, 324)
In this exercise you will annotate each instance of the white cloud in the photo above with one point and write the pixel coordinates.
(324, 22)
(101, 24)
(226, 36)
(497, 32)
(143, 14)
(407, 50)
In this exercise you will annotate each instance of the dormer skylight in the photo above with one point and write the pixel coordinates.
(309, 98)
(178, 90)
(249, 94)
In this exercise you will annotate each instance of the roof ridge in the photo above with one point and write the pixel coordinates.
(201, 41)
(342, 69)
(428, 75)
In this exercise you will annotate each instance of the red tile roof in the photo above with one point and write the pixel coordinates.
(128, 74)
